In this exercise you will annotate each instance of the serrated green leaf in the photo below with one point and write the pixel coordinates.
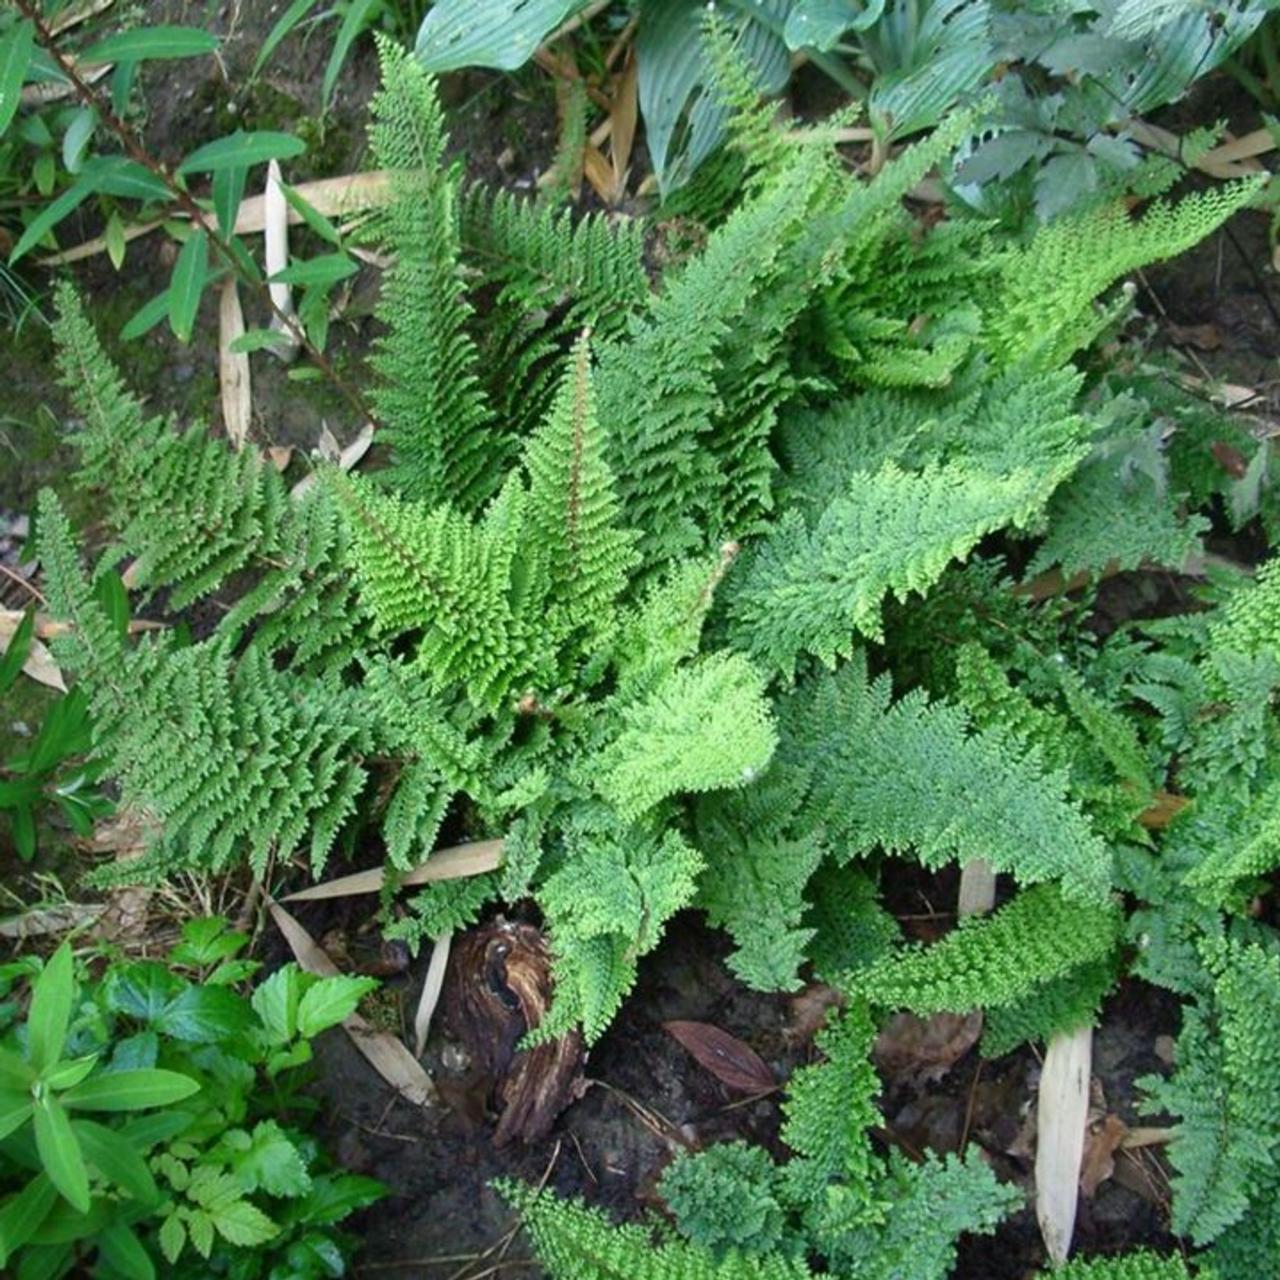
(272, 1163)
(329, 1001)
(205, 1015)
(173, 1236)
(275, 1001)
(244, 1224)
(200, 1228)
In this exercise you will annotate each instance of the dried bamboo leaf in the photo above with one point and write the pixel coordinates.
(1062, 1115)
(431, 988)
(233, 367)
(388, 1057)
(445, 864)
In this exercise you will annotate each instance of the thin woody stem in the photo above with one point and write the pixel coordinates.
(135, 150)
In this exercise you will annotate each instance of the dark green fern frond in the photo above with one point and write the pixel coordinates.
(547, 276)
(444, 446)
(574, 1242)
(1141, 1264)
(235, 759)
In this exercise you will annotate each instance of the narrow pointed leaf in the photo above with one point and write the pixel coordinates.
(187, 284)
(131, 1090)
(60, 1153)
(50, 1010)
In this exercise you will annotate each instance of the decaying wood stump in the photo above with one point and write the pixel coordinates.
(499, 986)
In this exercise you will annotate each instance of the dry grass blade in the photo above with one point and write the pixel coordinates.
(622, 134)
(1062, 1114)
(233, 367)
(388, 1057)
(39, 95)
(78, 13)
(445, 864)
(431, 988)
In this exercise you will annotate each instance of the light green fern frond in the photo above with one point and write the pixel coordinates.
(575, 1242)
(1141, 1264)
(993, 960)
(705, 727)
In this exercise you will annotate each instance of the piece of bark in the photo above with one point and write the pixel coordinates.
(499, 987)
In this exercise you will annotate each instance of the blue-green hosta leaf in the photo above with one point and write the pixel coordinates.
(497, 33)
(683, 119)
(819, 24)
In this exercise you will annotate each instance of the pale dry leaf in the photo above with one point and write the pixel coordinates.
(977, 888)
(1062, 1109)
(445, 864)
(598, 172)
(275, 228)
(233, 367)
(46, 91)
(279, 456)
(731, 1062)
(75, 14)
(432, 985)
(330, 451)
(39, 665)
(807, 1011)
(387, 1055)
(40, 921)
(623, 127)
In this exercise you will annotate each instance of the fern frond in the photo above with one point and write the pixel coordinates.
(575, 1242)
(993, 960)
(911, 776)
(1141, 1264)
(445, 448)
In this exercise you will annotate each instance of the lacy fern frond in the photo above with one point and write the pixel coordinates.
(231, 756)
(445, 447)
(193, 513)
(1042, 310)
(911, 776)
(575, 1242)
(1141, 1264)
(705, 727)
(994, 960)
(547, 276)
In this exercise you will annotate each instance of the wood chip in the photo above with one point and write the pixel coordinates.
(233, 367)
(432, 985)
(445, 864)
(1062, 1111)
(388, 1057)
(731, 1062)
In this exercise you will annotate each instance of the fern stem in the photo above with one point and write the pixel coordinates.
(137, 152)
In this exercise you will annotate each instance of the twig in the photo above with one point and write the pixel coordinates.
(22, 582)
(134, 148)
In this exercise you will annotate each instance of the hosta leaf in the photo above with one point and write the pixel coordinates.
(498, 33)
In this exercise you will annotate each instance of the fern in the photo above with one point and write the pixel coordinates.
(232, 757)
(574, 1242)
(910, 776)
(1138, 1265)
(444, 444)
(992, 961)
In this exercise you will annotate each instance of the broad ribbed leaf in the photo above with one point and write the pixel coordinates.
(497, 33)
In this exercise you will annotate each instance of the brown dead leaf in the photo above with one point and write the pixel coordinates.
(1164, 807)
(126, 834)
(923, 1049)
(807, 1011)
(233, 367)
(622, 133)
(597, 171)
(1100, 1143)
(1204, 337)
(388, 1057)
(726, 1057)
(279, 455)
(1230, 459)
